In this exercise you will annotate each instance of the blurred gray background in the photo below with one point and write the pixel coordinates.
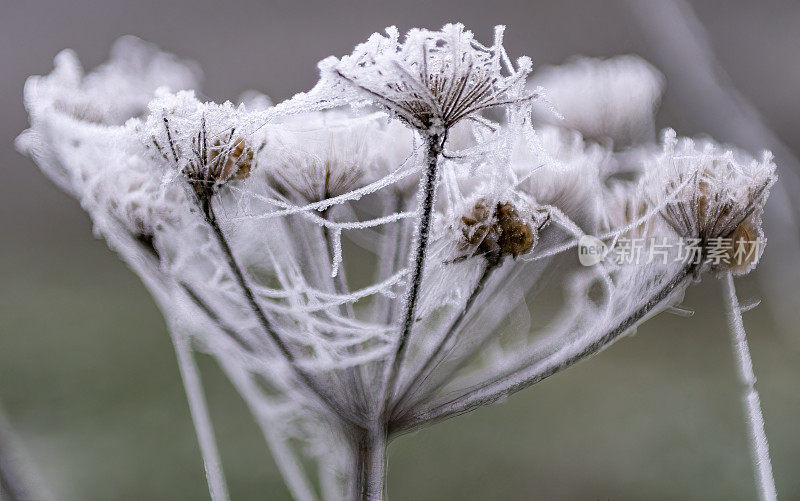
(88, 378)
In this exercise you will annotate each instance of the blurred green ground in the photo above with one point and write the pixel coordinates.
(88, 377)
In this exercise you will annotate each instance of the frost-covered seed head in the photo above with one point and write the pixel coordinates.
(327, 157)
(432, 79)
(208, 166)
(495, 230)
(603, 99)
(720, 197)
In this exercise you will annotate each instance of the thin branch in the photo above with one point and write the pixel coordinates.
(498, 388)
(759, 447)
(200, 417)
(233, 265)
(428, 193)
(423, 371)
(214, 317)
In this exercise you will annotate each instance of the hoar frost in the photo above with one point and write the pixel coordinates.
(240, 217)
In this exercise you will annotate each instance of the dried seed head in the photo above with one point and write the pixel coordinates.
(236, 162)
(496, 232)
(432, 79)
(716, 198)
(207, 167)
(212, 167)
(323, 156)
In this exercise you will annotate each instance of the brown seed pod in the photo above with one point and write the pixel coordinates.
(744, 252)
(516, 235)
(495, 233)
(236, 164)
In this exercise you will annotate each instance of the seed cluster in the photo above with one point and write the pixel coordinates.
(496, 232)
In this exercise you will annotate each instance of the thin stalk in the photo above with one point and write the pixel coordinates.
(422, 372)
(434, 149)
(388, 261)
(759, 447)
(523, 377)
(200, 417)
(444, 374)
(214, 317)
(354, 375)
(370, 467)
(285, 458)
(233, 265)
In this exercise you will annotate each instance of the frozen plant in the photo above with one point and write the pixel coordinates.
(458, 211)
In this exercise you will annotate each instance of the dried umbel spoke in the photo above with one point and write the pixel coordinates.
(256, 229)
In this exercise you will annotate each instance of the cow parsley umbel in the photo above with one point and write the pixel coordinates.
(240, 219)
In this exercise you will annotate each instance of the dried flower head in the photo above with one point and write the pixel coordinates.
(604, 99)
(198, 141)
(320, 155)
(496, 230)
(716, 196)
(432, 79)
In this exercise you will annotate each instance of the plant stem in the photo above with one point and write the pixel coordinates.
(370, 467)
(353, 375)
(421, 373)
(434, 149)
(200, 417)
(502, 386)
(212, 315)
(233, 265)
(759, 447)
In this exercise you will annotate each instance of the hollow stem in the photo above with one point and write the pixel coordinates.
(525, 376)
(428, 194)
(759, 447)
(370, 464)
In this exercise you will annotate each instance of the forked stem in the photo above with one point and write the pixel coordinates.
(759, 447)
